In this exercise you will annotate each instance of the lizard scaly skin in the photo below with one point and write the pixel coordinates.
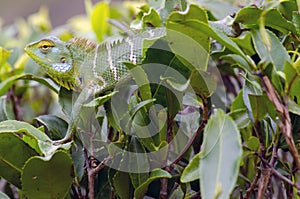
(78, 63)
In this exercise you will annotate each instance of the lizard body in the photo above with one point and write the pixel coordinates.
(79, 62)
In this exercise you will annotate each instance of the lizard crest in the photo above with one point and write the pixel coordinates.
(54, 56)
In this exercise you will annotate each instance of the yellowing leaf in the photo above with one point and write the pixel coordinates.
(99, 17)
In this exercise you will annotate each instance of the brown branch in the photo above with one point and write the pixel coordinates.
(282, 109)
(252, 186)
(279, 175)
(163, 188)
(16, 104)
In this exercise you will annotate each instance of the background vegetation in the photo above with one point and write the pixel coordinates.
(246, 149)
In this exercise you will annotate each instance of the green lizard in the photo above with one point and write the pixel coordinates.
(79, 64)
(83, 66)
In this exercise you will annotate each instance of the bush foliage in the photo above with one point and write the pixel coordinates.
(235, 136)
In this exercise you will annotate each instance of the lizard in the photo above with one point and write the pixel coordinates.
(79, 63)
(83, 66)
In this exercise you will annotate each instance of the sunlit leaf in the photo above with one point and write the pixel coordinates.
(99, 17)
(14, 152)
(40, 176)
(221, 155)
(192, 170)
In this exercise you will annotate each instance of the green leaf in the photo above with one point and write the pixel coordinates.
(192, 170)
(14, 152)
(292, 80)
(203, 83)
(4, 55)
(99, 17)
(203, 27)
(121, 184)
(260, 106)
(240, 117)
(65, 99)
(182, 37)
(221, 155)
(177, 193)
(7, 84)
(6, 109)
(235, 59)
(220, 9)
(147, 17)
(251, 16)
(41, 178)
(99, 100)
(140, 159)
(253, 143)
(24, 128)
(155, 174)
(56, 126)
(275, 53)
(141, 79)
(251, 87)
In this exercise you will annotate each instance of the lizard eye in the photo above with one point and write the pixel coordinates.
(63, 60)
(45, 45)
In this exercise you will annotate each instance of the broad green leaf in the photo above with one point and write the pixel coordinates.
(294, 107)
(287, 7)
(140, 159)
(275, 53)
(220, 9)
(155, 174)
(14, 152)
(260, 106)
(7, 84)
(99, 17)
(200, 26)
(240, 117)
(121, 184)
(182, 37)
(141, 79)
(235, 59)
(221, 155)
(253, 143)
(48, 178)
(56, 126)
(238, 102)
(203, 83)
(65, 99)
(251, 86)
(15, 126)
(292, 79)
(244, 41)
(296, 21)
(251, 16)
(192, 170)
(147, 17)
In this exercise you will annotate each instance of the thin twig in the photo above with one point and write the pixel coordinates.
(282, 109)
(205, 116)
(279, 175)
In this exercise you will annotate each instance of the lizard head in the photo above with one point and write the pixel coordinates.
(54, 56)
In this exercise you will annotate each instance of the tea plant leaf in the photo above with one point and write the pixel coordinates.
(221, 155)
(40, 176)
